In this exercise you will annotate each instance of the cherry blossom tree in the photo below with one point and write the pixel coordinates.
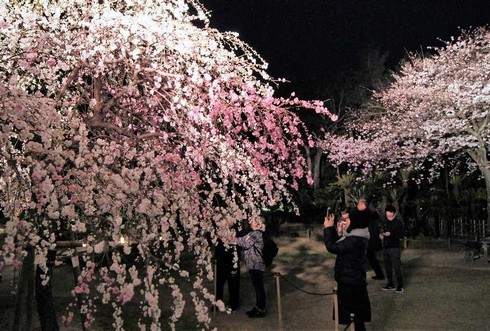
(133, 123)
(447, 96)
(436, 105)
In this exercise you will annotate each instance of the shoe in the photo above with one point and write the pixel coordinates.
(399, 290)
(378, 277)
(252, 311)
(388, 287)
(257, 313)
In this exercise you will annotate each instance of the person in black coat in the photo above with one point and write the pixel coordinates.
(228, 271)
(350, 270)
(363, 215)
(391, 236)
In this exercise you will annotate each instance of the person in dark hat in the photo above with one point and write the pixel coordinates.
(362, 214)
(350, 268)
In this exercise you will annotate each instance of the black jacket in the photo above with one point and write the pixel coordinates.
(395, 228)
(350, 264)
(371, 219)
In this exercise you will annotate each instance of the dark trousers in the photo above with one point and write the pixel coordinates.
(392, 258)
(359, 325)
(354, 300)
(374, 263)
(257, 277)
(232, 276)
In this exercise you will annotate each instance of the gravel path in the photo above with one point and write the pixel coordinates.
(443, 292)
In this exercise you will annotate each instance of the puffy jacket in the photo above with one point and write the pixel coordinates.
(351, 261)
(371, 219)
(253, 245)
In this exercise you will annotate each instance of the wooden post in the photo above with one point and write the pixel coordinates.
(279, 305)
(335, 309)
(352, 325)
(215, 285)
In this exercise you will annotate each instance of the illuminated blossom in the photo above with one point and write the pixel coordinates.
(135, 123)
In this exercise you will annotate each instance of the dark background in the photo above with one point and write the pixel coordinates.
(318, 44)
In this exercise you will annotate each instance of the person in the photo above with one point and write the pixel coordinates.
(391, 235)
(350, 269)
(228, 271)
(364, 215)
(252, 245)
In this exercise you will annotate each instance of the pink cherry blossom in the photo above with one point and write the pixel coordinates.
(130, 121)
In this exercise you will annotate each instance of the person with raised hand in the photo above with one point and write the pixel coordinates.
(350, 269)
(252, 245)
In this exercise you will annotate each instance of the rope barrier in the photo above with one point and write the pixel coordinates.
(299, 288)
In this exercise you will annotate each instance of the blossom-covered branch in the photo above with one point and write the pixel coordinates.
(136, 119)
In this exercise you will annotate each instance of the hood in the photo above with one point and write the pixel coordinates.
(363, 233)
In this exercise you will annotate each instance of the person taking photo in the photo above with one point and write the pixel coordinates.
(350, 269)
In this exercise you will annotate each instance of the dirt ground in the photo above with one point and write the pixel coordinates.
(442, 292)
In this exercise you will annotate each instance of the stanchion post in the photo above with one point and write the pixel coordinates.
(352, 324)
(405, 242)
(215, 283)
(279, 305)
(335, 309)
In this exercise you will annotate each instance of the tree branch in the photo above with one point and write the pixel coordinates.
(97, 95)
(69, 80)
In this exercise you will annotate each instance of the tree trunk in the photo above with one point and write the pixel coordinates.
(316, 168)
(308, 160)
(25, 295)
(347, 198)
(405, 175)
(44, 297)
(486, 174)
(446, 182)
(480, 157)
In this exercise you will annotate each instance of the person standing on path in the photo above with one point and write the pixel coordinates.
(350, 269)
(228, 271)
(391, 236)
(252, 245)
(363, 215)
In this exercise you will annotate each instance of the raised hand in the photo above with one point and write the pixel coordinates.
(328, 221)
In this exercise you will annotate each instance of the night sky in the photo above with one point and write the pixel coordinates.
(317, 43)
